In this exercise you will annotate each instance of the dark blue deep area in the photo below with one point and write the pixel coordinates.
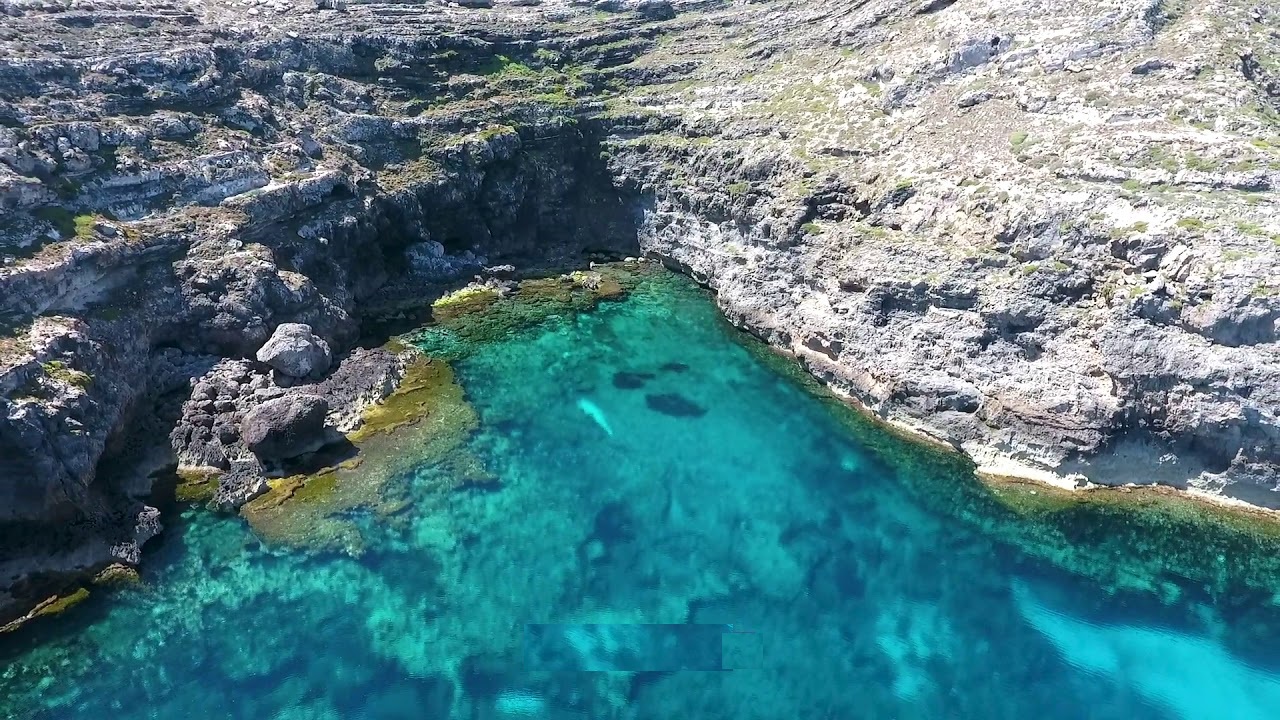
(653, 471)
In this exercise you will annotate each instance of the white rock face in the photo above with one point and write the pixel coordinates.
(295, 351)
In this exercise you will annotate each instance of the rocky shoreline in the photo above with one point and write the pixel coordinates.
(1042, 236)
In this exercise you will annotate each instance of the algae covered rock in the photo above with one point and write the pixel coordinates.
(54, 605)
(418, 431)
(483, 313)
(117, 575)
(295, 351)
(285, 427)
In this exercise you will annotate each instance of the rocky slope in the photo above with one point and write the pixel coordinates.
(1040, 232)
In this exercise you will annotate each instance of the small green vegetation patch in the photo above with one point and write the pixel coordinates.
(463, 301)
(67, 224)
(503, 65)
(58, 370)
(496, 131)
(1196, 162)
(1137, 228)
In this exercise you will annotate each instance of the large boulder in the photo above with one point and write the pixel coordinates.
(296, 352)
(285, 427)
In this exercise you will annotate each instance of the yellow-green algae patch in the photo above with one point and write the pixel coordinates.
(55, 605)
(423, 423)
(485, 318)
(196, 484)
(460, 302)
(113, 576)
(1149, 539)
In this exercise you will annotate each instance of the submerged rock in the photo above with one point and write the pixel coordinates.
(631, 380)
(674, 405)
(483, 313)
(420, 427)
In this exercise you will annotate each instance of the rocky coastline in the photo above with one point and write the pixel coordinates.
(1040, 235)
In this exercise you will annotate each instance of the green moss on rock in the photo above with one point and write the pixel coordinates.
(62, 603)
(461, 302)
(60, 372)
(55, 605)
(423, 424)
(196, 484)
(463, 325)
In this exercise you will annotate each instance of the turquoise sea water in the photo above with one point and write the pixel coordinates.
(653, 470)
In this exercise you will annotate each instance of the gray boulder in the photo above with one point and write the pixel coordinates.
(285, 427)
(295, 351)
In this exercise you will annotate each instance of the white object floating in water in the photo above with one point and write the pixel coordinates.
(594, 412)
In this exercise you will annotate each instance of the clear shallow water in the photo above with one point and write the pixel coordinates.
(653, 470)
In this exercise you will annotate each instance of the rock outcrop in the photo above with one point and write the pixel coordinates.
(285, 427)
(1042, 233)
(295, 352)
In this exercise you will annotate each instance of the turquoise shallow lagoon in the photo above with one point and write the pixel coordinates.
(655, 467)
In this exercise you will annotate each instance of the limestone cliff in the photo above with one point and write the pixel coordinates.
(1041, 232)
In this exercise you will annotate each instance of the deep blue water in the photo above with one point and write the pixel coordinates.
(653, 470)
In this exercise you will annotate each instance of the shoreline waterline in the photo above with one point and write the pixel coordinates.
(989, 463)
(993, 470)
(646, 442)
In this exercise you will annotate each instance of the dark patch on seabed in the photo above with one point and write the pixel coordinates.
(882, 581)
(624, 380)
(675, 405)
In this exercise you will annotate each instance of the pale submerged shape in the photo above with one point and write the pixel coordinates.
(594, 412)
(1192, 675)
